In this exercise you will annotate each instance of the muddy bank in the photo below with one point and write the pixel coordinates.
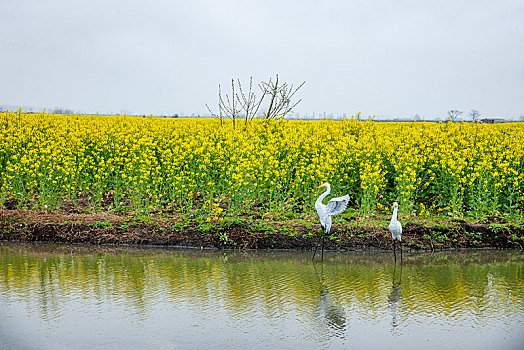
(247, 233)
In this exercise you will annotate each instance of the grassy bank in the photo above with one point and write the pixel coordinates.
(266, 231)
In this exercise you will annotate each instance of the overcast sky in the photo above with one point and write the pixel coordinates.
(384, 58)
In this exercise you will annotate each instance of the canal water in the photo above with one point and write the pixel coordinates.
(79, 297)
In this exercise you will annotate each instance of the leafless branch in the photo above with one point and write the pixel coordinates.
(240, 104)
(475, 114)
(280, 103)
(454, 114)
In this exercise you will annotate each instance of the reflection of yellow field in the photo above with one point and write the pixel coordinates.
(452, 285)
(426, 167)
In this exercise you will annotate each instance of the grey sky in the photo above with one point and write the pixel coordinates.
(389, 58)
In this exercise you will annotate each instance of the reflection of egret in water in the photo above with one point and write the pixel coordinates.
(395, 297)
(330, 316)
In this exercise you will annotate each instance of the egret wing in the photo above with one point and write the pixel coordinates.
(337, 205)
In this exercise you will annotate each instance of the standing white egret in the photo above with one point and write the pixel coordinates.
(396, 231)
(335, 206)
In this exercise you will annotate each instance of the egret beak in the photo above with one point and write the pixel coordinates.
(320, 186)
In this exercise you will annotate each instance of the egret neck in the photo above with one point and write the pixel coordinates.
(322, 196)
(394, 217)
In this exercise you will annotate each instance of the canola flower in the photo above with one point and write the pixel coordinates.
(153, 163)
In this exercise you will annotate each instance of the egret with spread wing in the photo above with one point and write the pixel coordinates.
(396, 231)
(335, 206)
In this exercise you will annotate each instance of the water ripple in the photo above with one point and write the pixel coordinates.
(261, 300)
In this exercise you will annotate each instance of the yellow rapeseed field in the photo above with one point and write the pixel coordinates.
(153, 163)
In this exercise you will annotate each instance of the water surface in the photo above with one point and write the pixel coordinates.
(65, 297)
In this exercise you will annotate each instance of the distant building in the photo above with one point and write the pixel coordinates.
(493, 120)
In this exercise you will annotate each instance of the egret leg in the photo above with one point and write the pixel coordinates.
(400, 247)
(394, 269)
(316, 248)
(394, 252)
(322, 259)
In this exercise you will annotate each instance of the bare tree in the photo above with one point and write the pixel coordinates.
(280, 96)
(454, 114)
(60, 110)
(475, 114)
(248, 104)
(228, 107)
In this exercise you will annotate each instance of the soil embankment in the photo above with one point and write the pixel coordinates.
(108, 228)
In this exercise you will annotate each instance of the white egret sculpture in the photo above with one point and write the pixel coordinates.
(335, 206)
(396, 231)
